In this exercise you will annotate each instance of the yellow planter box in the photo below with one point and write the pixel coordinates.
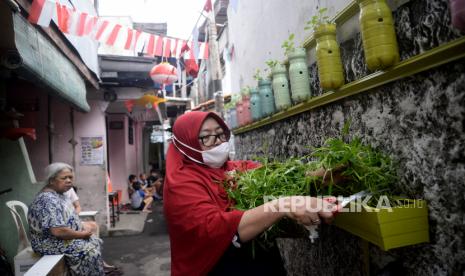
(404, 225)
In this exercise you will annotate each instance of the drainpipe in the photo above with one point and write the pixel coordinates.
(72, 141)
(50, 129)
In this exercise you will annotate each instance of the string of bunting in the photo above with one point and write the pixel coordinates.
(77, 23)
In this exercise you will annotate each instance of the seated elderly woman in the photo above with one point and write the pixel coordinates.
(56, 229)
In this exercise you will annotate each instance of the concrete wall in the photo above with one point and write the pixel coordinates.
(418, 120)
(258, 28)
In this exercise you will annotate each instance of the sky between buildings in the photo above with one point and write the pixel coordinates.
(180, 15)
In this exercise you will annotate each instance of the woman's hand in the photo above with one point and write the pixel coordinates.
(307, 210)
(66, 233)
(86, 234)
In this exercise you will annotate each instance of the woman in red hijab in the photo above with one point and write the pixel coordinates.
(204, 230)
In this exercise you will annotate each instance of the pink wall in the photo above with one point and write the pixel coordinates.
(117, 155)
(125, 159)
(91, 180)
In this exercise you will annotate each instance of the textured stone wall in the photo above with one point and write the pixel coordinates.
(419, 120)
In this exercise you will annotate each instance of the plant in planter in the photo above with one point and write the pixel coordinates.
(265, 94)
(280, 85)
(457, 9)
(336, 168)
(232, 112)
(246, 114)
(378, 34)
(255, 104)
(258, 75)
(328, 55)
(298, 70)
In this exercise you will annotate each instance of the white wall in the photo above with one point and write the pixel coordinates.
(258, 28)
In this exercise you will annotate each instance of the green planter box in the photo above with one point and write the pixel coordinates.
(405, 225)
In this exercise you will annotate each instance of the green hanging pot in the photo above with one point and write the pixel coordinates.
(378, 34)
(298, 74)
(255, 105)
(282, 98)
(328, 57)
(266, 97)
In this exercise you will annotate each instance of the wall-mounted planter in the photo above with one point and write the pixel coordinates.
(232, 118)
(405, 225)
(378, 34)
(246, 116)
(282, 98)
(457, 9)
(298, 74)
(266, 97)
(255, 104)
(239, 113)
(328, 57)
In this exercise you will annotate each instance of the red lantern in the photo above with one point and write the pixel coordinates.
(164, 73)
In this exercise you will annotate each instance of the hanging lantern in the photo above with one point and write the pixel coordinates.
(164, 73)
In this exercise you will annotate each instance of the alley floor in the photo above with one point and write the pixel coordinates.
(145, 254)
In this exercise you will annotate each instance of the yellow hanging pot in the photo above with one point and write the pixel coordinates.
(378, 34)
(328, 57)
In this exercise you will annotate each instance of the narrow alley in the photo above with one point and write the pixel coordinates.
(147, 253)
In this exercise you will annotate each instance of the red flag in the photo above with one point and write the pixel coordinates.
(159, 46)
(63, 15)
(167, 50)
(184, 48)
(113, 35)
(82, 24)
(151, 45)
(191, 67)
(208, 6)
(35, 11)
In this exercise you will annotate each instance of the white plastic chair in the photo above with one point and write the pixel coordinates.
(25, 257)
(14, 205)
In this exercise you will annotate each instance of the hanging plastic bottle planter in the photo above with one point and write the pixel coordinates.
(246, 116)
(255, 104)
(232, 118)
(281, 87)
(457, 9)
(239, 113)
(298, 74)
(378, 34)
(266, 97)
(328, 57)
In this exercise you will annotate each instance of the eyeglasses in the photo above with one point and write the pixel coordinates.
(210, 140)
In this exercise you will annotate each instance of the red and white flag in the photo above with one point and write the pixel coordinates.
(208, 6)
(73, 22)
(203, 51)
(41, 12)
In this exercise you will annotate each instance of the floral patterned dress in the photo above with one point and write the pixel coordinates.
(50, 209)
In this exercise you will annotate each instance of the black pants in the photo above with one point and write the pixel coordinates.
(240, 261)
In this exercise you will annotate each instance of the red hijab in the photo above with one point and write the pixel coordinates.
(200, 222)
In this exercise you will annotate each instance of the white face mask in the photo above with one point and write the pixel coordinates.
(214, 157)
